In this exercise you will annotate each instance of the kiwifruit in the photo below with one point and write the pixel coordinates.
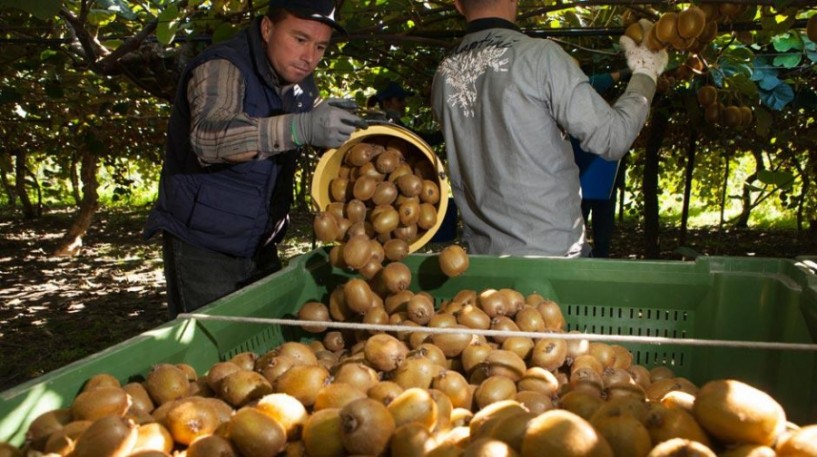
(635, 32)
(729, 9)
(452, 344)
(61, 442)
(484, 416)
(549, 353)
(736, 412)
(322, 434)
(384, 352)
(385, 193)
(731, 116)
(410, 440)
(46, 424)
(384, 391)
(652, 42)
(366, 427)
(707, 95)
(493, 389)
(396, 276)
(666, 29)
(501, 362)
(325, 227)
(102, 401)
(385, 221)
(363, 228)
(625, 434)
(406, 233)
(529, 319)
(416, 371)
(410, 185)
(503, 323)
(339, 189)
(256, 434)
(534, 401)
(680, 447)
(665, 423)
(414, 405)
(453, 384)
(473, 317)
(400, 170)
(300, 352)
(314, 311)
(420, 309)
(190, 419)
(555, 431)
(453, 261)
(428, 216)
(140, 399)
(811, 28)
(112, 436)
(100, 380)
(538, 379)
(376, 315)
(709, 32)
(337, 395)
(213, 445)
(364, 187)
(388, 160)
(396, 249)
(745, 116)
(302, 382)
(409, 211)
(243, 386)
(357, 251)
(368, 169)
(430, 192)
(799, 442)
(360, 154)
(166, 382)
(357, 374)
(712, 113)
(357, 295)
(691, 22)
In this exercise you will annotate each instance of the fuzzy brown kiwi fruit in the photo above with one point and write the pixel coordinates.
(100, 380)
(314, 311)
(691, 22)
(552, 315)
(385, 221)
(453, 260)
(384, 391)
(420, 309)
(665, 423)
(384, 352)
(677, 447)
(538, 379)
(388, 160)
(366, 427)
(111, 436)
(213, 445)
(414, 405)
(535, 402)
(625, 434)
(243, 386)
(302, 382)
(707, 95)
(357, 251)
(736, 412)
(652, 42)
(256, 434)
(410, 185)
(101, 401)
(430, 192)
(368, 169)
(581, 402)
(800, 442)
(428, 216)
(396, 276)
(500, 362)
(473, 317)
(358, 295)
(357, 374)
(560, 432)
(190, 419)
(364, 187)
(493, 389)
(745, 116)
(453, 384)
(339, 189)
(666, 28)
(62, 441)
(635, 32)
(322, 434)
(731, 116)
(410, 440)
(301, 352)
(396, 249)
(166, 382)
(337, 395)
(483, 416)
(325, 227)
(549, 353)
(360, 154)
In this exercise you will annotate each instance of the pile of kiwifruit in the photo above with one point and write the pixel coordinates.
(385, 196)
(421, 393)
(717, 113)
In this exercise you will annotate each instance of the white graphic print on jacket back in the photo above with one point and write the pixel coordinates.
(465, 66)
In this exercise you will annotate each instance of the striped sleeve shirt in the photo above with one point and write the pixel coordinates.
(220, 130)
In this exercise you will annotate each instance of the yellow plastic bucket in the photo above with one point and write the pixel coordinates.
(330, 163)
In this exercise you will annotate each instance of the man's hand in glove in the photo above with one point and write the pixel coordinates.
(325, 126)
(640, 58)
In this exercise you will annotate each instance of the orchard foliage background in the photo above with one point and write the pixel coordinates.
(86, 85)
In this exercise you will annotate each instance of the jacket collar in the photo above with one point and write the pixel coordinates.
(259, 55)
(479, 25)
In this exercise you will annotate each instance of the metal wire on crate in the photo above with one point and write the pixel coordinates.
(656, 340)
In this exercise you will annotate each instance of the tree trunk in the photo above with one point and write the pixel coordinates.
(10, 194)
(71, 243)
(690, 168)
(650, 185)
(29, 210)
(75, 184)
(746, 197)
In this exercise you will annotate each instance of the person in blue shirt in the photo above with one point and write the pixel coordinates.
(598, 178)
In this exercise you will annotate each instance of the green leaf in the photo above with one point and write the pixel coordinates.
(118, 7)
(744, 85)
(740, 54)
(790, 60)
(168, 24)
(775, 178)
(787, 42)
(100, 17)
(764, 122)
(224, 31)
(42, 9)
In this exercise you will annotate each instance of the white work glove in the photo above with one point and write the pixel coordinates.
(325, 126)
(640, 58)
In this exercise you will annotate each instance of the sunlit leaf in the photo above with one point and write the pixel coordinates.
(117, 6)
(100, 17)
(47, 54)
(788, 60)
(168, 24)
(787, 42)
(740, 53)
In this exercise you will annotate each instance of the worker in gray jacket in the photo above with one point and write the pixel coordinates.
(507, 104)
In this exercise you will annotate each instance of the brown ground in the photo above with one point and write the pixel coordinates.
(57, 310)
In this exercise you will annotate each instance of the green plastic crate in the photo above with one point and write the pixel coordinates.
(724, 298)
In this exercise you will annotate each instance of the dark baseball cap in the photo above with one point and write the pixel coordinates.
(316, 10)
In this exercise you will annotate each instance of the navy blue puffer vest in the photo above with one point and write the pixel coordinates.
(229, 208)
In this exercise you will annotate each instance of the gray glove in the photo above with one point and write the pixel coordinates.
(325, 126)
(640, 58)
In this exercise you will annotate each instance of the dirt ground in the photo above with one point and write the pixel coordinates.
(57, 310)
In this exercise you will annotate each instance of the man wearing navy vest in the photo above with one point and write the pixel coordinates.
(243, 110)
